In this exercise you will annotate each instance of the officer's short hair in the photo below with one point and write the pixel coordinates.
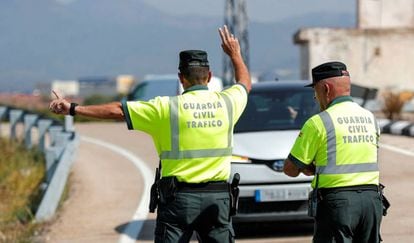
(195, 75)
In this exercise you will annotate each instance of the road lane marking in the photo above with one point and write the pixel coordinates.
(133, 229)
(396, 149)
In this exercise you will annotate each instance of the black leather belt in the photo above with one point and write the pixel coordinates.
(215, 186)
(324, 191)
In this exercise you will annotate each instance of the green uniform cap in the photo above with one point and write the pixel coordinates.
(327, 70)
(191, 58)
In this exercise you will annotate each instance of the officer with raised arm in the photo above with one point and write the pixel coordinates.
(193, 135)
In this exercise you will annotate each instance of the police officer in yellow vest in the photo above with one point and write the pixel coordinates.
(340, 147)
(193, 135)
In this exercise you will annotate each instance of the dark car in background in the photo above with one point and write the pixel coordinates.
(155, 85)
(263, 137)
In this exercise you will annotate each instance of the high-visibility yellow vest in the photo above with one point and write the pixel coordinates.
(193, 132)
(342, 141)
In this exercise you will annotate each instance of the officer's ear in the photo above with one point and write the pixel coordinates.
(327, 88)
(209, 76)
(181, 77)
(183, 81)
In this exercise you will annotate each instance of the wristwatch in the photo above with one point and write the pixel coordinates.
(72, 109)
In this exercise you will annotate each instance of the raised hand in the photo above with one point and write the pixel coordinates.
(230, 44)
(231, 47)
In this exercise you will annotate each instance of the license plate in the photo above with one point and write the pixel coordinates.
(282, 194)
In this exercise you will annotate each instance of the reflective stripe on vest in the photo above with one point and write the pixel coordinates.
(332, 167)
(175, 153)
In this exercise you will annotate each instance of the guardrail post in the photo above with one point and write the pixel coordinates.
(42, 126)
(3, 110)
(29, 122)
(62, 139)
(73, 146)
(69, 124)
(53, 131)
(52, 156)
(15, 117)
(54, 190)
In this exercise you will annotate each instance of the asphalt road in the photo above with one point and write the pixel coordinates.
(106, 190)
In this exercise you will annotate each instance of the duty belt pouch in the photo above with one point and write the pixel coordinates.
(385, 203)
(168, 189)
(313, 200)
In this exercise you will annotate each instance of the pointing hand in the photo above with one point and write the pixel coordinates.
(59, 105)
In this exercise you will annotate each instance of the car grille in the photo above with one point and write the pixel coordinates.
(249, 205)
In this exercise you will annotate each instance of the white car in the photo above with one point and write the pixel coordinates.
(263, 137)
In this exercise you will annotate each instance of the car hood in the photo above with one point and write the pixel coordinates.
(264, 145)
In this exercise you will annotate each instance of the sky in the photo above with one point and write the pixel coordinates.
(257, 10)
(267, 11)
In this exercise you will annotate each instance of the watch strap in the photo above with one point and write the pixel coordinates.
(72, 109)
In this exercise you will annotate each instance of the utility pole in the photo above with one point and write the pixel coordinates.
(235, 17)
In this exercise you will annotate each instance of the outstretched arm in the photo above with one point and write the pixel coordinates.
(111, 110)
(231, 47)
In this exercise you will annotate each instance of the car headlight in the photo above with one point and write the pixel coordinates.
(277, 165)
(240, 159)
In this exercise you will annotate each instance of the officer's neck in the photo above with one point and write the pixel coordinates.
(340, 99)
(196, 87)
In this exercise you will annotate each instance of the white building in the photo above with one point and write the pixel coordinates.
(84, 87)
(66, 87)
(124, 83)
(378, 52)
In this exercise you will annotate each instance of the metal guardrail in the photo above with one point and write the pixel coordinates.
(60, 153)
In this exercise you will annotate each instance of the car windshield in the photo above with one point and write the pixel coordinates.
(277, 110)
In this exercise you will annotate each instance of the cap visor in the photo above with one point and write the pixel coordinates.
(309, 85)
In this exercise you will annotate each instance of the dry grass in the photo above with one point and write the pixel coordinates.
(394, 102)
(21, 172)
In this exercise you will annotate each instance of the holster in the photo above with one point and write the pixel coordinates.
(385, 203)
(155, 193)
(168, 189)
(313, 203)
(234, 194)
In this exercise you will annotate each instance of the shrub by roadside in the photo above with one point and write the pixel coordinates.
(21, 173)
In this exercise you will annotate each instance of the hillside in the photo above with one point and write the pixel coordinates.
(43, 40)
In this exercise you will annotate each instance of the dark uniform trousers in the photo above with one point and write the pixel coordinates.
(206, 212)
(348, 216)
